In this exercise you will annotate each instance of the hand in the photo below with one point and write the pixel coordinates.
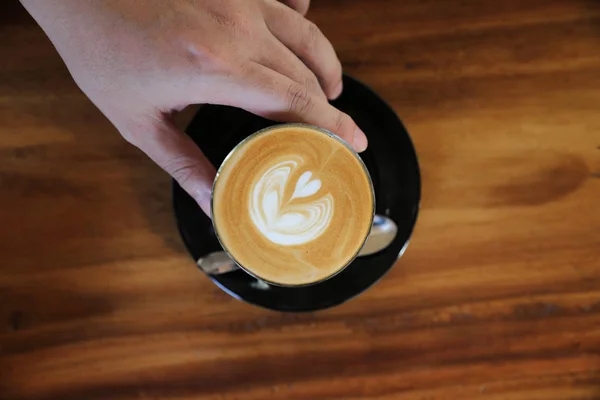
(141, 61)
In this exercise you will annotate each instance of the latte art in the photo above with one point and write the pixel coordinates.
(292, 205)
(295, 220)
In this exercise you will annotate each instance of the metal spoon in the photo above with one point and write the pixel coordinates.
(382, 234)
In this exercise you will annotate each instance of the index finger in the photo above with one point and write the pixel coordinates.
(279, 98)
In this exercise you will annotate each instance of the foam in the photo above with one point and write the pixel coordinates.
(285, 221)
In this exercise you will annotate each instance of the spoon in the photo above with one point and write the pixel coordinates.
(382, 234)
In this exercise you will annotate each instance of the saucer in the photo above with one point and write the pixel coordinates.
(391, 160)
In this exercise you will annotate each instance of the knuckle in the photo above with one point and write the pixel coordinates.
(182, 169)
(310, 37)
(342, 122)
(299, 99)
(224, 17)
(206, 58)
(311, 82)
(231, 20)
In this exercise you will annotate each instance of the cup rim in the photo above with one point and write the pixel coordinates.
(267, 130)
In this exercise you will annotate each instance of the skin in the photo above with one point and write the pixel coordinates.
(140, 61)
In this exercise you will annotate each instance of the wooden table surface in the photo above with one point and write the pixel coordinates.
(497, 297)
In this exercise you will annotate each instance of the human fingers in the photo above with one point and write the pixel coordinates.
(279, 58)
(305, 40)
(272, 95)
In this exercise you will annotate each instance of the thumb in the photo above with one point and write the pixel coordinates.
(180, 157)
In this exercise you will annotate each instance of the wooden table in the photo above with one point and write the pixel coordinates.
(497, 297)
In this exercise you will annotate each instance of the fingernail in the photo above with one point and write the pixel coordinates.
(360, 140)
(337, 91)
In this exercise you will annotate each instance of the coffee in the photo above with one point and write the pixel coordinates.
(292, 205)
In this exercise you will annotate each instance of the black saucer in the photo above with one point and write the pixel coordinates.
(391, 160)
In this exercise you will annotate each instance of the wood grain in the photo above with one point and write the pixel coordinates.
(498, 296)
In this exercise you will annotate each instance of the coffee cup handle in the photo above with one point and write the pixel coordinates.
(383, 232)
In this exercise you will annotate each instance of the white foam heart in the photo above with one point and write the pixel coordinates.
(295, 222)
(304, 188)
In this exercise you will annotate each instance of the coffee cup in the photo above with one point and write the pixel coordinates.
(292, 205)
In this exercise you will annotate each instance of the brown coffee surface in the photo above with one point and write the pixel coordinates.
(292, 205)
